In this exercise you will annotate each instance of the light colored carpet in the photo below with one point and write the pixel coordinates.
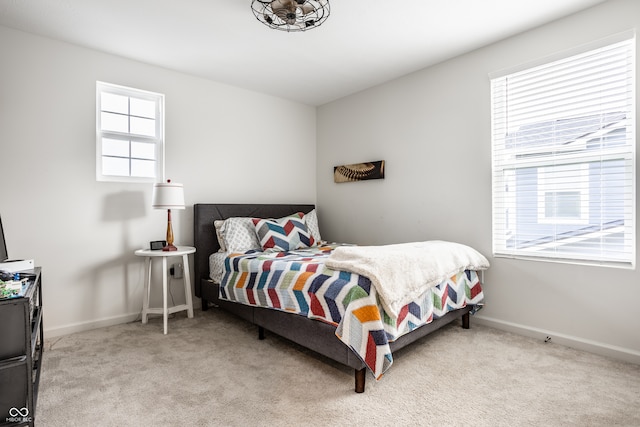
(213, 371)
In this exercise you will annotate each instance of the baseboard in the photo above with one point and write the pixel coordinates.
(87, 326)
(100, 323)
(619, 353)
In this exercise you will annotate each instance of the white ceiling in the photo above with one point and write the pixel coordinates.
(362, 44)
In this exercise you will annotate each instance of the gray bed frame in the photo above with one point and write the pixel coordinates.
(312, 334)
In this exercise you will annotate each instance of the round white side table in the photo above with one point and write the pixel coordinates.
(183, 251)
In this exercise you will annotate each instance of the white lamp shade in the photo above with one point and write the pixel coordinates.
(167, 195)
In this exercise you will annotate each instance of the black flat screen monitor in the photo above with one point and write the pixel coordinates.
(3, 245)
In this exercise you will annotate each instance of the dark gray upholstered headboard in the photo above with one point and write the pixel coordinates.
(204, 235)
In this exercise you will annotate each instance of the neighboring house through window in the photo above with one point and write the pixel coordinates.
(129, 134)
(563, 139)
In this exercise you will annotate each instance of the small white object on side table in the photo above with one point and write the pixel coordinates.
(182, 251)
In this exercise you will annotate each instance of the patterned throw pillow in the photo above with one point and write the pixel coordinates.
(218, 224)
(284, 234)
(239, 235)
(311, 219)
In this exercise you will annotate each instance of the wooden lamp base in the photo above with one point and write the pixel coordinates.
(170, 246)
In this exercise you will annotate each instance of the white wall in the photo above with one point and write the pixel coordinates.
(223, 143)
(433, 129)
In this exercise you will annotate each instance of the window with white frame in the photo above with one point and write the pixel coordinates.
(563, 152)
(129, 134)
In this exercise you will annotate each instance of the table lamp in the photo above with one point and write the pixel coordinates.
(168, 195)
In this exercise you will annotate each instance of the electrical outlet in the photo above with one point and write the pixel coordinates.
(176, 271)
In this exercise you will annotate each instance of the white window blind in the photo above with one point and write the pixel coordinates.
(563, 147)
(130, 134)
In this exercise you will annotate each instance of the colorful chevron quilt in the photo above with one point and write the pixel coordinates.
(299, 282)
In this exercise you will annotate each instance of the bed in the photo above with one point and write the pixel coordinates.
(310, 323)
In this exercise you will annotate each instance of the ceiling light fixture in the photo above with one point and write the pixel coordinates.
(291, 15)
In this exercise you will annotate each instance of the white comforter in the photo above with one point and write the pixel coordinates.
(402, 272)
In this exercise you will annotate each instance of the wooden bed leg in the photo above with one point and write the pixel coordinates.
(465, 320)
(360, 376)
(205, 304)
(260, 333)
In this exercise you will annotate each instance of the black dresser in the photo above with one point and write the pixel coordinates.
(21, 346)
